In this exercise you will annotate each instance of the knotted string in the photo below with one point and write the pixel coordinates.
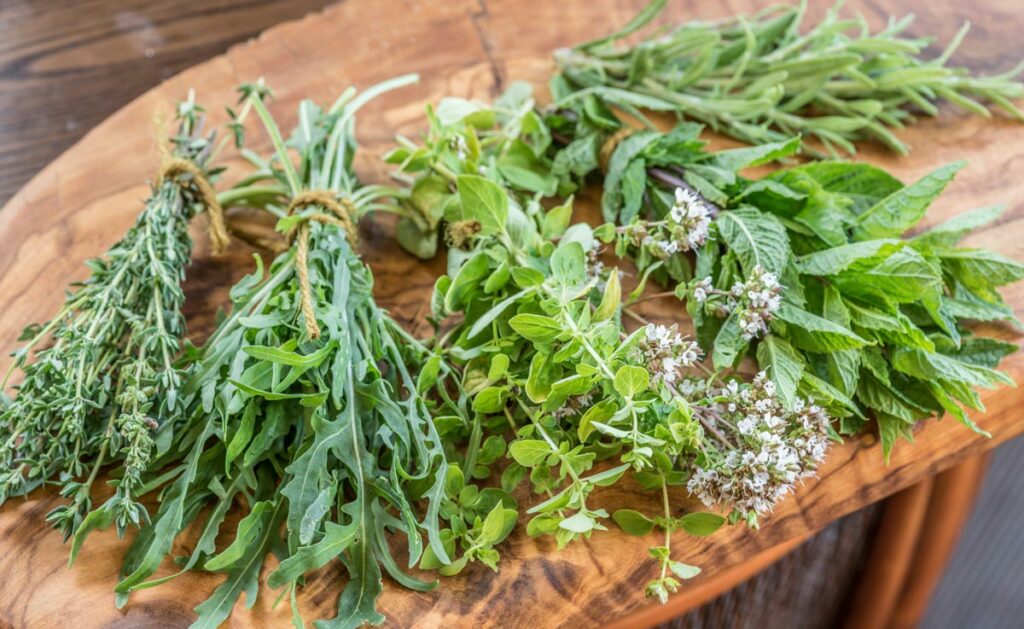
(341, 216)
(175, 166)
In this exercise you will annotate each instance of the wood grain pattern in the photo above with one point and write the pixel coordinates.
(65, 67)
(83, 201)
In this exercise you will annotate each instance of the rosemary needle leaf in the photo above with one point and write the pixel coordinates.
(764, 77)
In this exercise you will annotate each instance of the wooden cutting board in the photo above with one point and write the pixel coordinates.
(82, 202)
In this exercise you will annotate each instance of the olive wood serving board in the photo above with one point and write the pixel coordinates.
(82, 202)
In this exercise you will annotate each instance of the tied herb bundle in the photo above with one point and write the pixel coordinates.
(759, 79)
(301, 406)
(98, 393)
(810, 271)
(546, 374)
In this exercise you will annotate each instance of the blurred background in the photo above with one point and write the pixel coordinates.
(65, 66)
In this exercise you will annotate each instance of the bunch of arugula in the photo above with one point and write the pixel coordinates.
(96, 395)
(760, 79)
(314, 425)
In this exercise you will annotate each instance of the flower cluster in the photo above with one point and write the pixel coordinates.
(574, 405)
(691, 219)
(684, 229)
(765, 449)
(667, 352)
(759, 299)
(756, 300)
(595, 267)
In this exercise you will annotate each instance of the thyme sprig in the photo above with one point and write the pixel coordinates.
(767, 77)
(108, 379)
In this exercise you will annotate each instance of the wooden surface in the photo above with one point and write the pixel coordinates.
(84, 200)
(64, 67)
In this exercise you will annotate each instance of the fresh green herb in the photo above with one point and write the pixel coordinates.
(302, 406)
(809, 270)
(101, 390)
(760, 79)
(531, 321)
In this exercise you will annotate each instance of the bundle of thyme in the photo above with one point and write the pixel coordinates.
(763, 79)
(99, 392)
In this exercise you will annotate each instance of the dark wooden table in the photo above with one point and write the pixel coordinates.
(65, 66)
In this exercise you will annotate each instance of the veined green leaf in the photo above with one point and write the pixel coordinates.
(949, 233)
(902, 209)
(931, 366)
(837, 259)
(981, 268)
(756, 238)
(812, 333)
(783, 364)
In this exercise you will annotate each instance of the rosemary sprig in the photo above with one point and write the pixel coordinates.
(765, 78)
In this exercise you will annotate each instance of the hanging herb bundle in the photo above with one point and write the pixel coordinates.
(107, 381)
(547, 373)
(809, 270)
(302, 406)
(759, 79)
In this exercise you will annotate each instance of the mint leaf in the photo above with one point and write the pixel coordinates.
(816, 334)
(837, 259)
(902, 209)
(783, 364)
(949, 233)
(980, 268)
(929, 366)
(756, 238)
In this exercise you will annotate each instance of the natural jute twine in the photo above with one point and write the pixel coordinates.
(608, 147)
(175, 166)
(340, 215)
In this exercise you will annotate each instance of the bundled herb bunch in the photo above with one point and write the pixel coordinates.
(107, 380)
(809, 270)
(546, 372)
(302, 405)
(760, 79)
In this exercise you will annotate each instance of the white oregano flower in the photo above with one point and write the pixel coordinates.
(758, 299)
(691, 218)
(755, 300)
(760, 449)
(667, 353)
